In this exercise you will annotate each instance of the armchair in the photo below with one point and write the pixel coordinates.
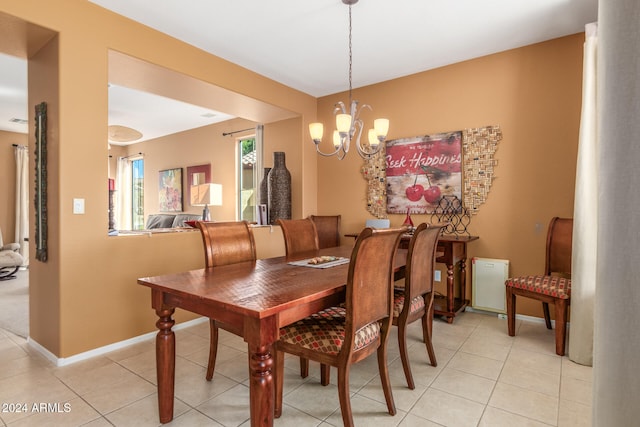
(10, 259)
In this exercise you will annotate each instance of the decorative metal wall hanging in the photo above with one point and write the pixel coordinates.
(41, 181)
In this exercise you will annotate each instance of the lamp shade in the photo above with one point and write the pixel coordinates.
(382, 127)
(343, 123)
(206, 194)
(316, 131)
(373, 139)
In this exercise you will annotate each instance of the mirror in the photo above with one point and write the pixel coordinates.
(197, 175)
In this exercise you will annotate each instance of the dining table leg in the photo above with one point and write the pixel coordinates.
(261, 386)
(165, 362)
(260, 335)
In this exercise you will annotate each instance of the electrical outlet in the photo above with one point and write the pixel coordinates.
(78, 206)
(436, 275)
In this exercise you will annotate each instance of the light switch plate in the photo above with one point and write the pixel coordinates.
(436, 275)
(78, 206)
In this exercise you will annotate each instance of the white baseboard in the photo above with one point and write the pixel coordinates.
(63, 361)
(503, 316)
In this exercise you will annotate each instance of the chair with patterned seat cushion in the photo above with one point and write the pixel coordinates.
(301, 237)
(225, 243)
(418, 288)
(552, 287)
(341, 338)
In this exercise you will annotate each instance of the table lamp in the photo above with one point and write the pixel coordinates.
(205, 195)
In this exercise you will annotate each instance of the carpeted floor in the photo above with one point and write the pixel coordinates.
(14, 304)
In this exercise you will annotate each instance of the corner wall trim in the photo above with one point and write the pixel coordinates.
(64, 361)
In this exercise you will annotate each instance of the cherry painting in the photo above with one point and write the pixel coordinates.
(421, 170)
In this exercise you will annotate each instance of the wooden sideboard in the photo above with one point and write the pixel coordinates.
(454, 255)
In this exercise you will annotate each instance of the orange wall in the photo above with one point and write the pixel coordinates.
(533, 93)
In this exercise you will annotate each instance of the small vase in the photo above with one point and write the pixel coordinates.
(279, 189)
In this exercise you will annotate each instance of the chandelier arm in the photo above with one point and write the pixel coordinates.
(339, 108)
(335, 152)
(357, 113)
(366, 154)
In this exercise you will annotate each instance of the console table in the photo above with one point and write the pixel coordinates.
(454, 253)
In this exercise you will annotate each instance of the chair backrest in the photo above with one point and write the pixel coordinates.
(559, 247)
(369, 295)
(227, 242)
(300, 235)
(378, 223)
(421, 260)
(328, 228)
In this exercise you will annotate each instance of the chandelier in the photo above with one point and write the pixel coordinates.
(348, 124)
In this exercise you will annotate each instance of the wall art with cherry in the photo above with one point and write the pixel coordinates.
(421, 170)
(415, 173)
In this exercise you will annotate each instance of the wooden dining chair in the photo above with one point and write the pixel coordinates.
(225, 243)
(301, 236)
(418, 290)
(551, 287)
(342, 338)
(328, 228)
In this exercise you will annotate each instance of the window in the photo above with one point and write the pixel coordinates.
(137, 194)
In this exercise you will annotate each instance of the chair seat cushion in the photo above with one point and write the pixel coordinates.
(398, 303)
(558, 287)
(10, 259)
(325, 331)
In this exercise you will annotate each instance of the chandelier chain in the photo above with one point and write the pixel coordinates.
(350, 55)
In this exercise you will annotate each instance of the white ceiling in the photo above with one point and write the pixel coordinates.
(304, 44)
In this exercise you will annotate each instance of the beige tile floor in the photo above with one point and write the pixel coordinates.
(483, 378)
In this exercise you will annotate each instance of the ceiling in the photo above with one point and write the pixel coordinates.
(304, 44)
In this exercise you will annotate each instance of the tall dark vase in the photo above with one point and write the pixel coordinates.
(279, 189)
(264, 187)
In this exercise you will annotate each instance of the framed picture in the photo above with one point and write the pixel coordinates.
(197, 175)
(170, 190)
(421, 170)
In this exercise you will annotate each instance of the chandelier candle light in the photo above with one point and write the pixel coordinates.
(348, 124)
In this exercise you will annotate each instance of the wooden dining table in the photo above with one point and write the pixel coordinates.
(259, 297)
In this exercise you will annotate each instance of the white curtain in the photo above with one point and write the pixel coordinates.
(585, 217)
(258, 170)
(123, 195)
(22, 201)
(616, 381)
